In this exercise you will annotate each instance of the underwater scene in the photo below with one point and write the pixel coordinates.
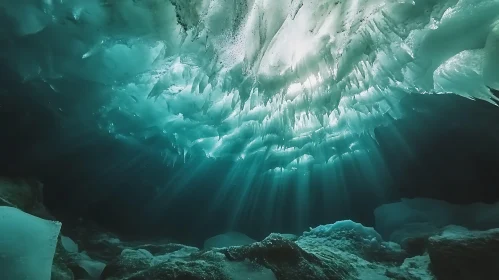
(249, 139)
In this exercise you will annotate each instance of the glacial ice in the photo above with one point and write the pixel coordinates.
(295, 83)
(27, 245)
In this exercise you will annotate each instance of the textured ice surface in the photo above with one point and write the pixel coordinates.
(291, 82)
(27, 245)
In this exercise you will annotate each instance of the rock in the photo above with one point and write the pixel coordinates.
(141, 264)
(207, 267)
(289, 236)
(66, 266)
(343, 251)
(105, 246)
(394, 216)
(459, 254)
(60, 269)
(248, 270)
(163, 248)
(73, 265)
(228, 239)
(128, 263)
(61, 272)
(24, 194)
(68, 244)
(273, 258)
(415, 268)
(415, 246)
(348, 236)
(93, 268)
(288, 261)
(413, 238)
(95, 241)
(20, 193)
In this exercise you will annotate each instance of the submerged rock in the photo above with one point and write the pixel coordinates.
(24, 194)
(99, 244)
(413, 238)
(70, 265)
(128, 263)
(458, 254)
(415, 268)
(342, 251)
(60, 268)
(228, 239)
(20, 193)
(434, 213)
(289, 261)
(61, 272)
(354, 238)
(273, 258)
(179, 264)
(95, 241)
(93, 268)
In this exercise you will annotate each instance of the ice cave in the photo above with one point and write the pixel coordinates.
(249, 139)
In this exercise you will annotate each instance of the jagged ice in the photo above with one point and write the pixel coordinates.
(291, 83)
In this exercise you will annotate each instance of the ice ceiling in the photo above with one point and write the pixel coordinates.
(288, 82)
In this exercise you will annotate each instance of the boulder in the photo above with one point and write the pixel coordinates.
(20, 193)
(60, 269)
(341, 251)
(273, 258)
(228, 239)
(459, 254)
(415, 268)
(354, 238)
(183, 263)
(413, 238)
(289, 261)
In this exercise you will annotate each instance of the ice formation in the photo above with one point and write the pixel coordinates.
(295, 83)
(27, 245)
